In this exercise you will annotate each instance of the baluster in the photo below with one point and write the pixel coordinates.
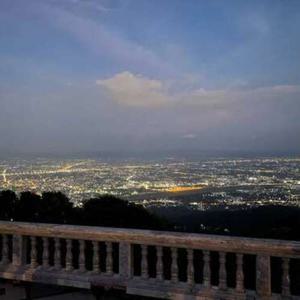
(222, 271)
(174, 265)
(159, 263)
(239, 273)
(57, 254)
(190, 267)
(5, 259)
(45, 252)
(19, 250)
(286, 277)
(206, 269)
(82, 256)
(263, 276)
(33, 252)
(69, 255)
(144, 263)
(96, 267)
(109, 258)
(125, 260)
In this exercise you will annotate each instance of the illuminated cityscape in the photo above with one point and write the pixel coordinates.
(149, 149)
(198, 184)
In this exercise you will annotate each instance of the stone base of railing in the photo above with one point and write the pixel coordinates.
(52, 276)
(179, 291)
(135, 286)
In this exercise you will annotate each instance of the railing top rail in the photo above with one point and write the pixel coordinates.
(159, 238)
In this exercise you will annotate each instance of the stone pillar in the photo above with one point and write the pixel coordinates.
(96, 261)
(144, 262)
(82, 256)
(57, 254)
(45, 252)
(18, 250)
(5, 259)
(174, 265)
(159, 263)
(190, 267)
(240, 273)
(263, 276)
(125, 260)
(206, 269)
(222, 271)
(69, 255)
(109, 258)
(286, 292)
(33, 253)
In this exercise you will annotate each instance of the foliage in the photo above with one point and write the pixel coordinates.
(8, 202)
(55, 207)
(279, 222)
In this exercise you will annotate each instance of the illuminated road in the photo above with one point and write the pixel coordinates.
(69, 168)
(4, 175)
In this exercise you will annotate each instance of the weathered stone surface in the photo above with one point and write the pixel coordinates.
(69, 263)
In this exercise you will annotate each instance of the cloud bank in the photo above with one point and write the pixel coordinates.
(129, 89)
(135, 90)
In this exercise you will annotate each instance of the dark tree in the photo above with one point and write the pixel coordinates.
(8, 202)
(111, 211)
(28, 207)
(55, 208)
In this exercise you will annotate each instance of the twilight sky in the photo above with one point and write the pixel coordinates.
(93, 75)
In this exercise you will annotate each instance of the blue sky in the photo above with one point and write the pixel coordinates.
(87, 75)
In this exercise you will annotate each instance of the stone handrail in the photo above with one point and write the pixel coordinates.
(148, 237)
(143, 262)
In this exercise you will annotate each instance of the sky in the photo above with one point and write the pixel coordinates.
(134, 75)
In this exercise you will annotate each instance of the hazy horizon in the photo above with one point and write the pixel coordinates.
(114, 155)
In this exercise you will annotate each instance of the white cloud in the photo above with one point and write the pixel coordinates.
(135, 90)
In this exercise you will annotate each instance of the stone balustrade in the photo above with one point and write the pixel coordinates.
(150, 263)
